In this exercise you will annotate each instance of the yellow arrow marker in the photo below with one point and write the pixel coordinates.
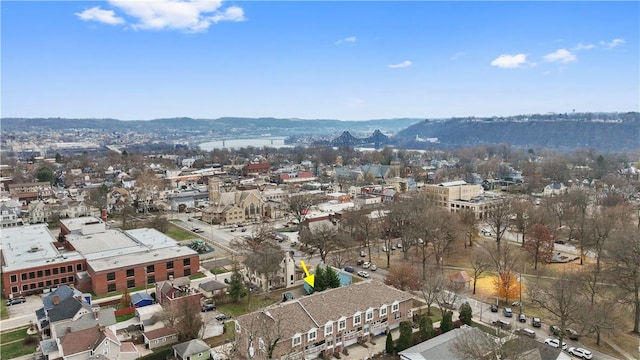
(307, 278)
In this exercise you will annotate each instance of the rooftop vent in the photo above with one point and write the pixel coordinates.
(34, 248)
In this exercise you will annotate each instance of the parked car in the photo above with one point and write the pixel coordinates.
(366, 265)
(526, 332)
(349, 269)
(359, 262)
(373, 267)
(494, 308)
(244, 229)
(399, 245)
(363, 253)
(502, 324)
(363, 273)
(208, 307)
(522, 318)
(535, 322)
(232, 229)
(570, 333)
(580, 352)
(507, 312)
(16, 300)
(384, 249)
(222, 317)
(555, 343)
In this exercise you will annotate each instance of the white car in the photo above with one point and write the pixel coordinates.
(373, 267)
(555, 343)
(366, 265)
(580, 352)
(363, 273)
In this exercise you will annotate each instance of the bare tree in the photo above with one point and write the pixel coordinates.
(560, 297)
(403, 220)
(322, 239)
(341, 258)
(363, 229)
(480, 263)
(498, 218)
(299, 204)
(624, 252)
(540, 244)
(403, 277)
(431, 287)
(265, 260)
(475, 344)
(147, 188)
(469, 225)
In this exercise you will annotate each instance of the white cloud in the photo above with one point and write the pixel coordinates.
(561, 55)
(100, 15)
(403, 64)
(506, 61)
(582, 46)
(350, 40)
(613, 43)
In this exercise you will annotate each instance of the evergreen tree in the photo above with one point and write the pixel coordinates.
(426, 328)
(389, 345)
(44, 174)
(465, 313)
(332, 278)
(58, 158)
(320, 281)
(404, 341)
(446, 324)
(237, 290)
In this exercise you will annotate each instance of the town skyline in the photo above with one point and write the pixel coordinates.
(312, 60)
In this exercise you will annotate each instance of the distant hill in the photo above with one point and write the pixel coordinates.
(603, 131)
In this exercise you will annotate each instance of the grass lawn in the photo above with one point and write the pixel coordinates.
(125, 317)
(13, 335)
(197, 276)
(218, 270)
(228, 335)
(179, 234)
(16, 349)
(243, 306)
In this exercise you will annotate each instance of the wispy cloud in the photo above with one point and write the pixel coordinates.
(507, 61)
(190, 16)
(403, 64)
(348, 40)
(100, 15)
(613, 43)
(582, 46)
(457, 55)
(561, 55)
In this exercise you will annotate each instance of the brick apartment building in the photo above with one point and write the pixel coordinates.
(459, 196)
(92, 258)
(325, 322)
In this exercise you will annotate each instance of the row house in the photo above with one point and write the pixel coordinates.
(323, 323)
(43, 189)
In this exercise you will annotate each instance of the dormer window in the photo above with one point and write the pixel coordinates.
(383, 311)
(328, 329)
(312, 335)
(357, 319)
(342, 324)
(369, 315)
(297, 339)
(395, 307)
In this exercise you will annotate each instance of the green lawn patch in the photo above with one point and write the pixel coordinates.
(159, 353)
(175, 220)
(229, 334)
(16, 349)
(218, 270)
(197, 276)
(244, 307)
(13, 335)
(122, 318)
(179, 234)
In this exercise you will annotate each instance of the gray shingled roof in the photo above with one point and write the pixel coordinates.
(191, 347)
(106, 317)
(66, 310)
(63, 292)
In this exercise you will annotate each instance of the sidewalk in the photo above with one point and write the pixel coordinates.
(359, 352)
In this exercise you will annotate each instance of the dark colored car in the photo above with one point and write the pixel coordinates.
(222, 317)
(359, 262)
(349, 269)
(16, 300)
(535, 322)
(208, 307)
(494, 308)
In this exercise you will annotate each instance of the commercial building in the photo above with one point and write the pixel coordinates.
(459, 196)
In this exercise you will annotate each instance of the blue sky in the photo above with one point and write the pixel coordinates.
(308, 59)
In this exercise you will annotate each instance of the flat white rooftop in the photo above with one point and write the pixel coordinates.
(114, 242)
(141, 256)
(31, 246)
(75, 224)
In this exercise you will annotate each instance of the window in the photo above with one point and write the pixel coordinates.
(48, 282)
(131, 283)
(328, 329)
(383, 311)
(169, 264)
(39, 273)
(187, 272)
(357, 319)
(151, 268)
(130, 272)
(25, 287)
(32, 275)
(14, 289)
(111, 276)
(395, 307)
(23, 276)
(41, 284)
(55, 271)
(342, 324)
(312, 335)
(14, 278)
(70, 268)
(369, 315)
(78, 267)
(70, 278)
(32, 286)
(63, 269)
(186, 262)
(151, 279)
(63, 280)
(297, 340)
(111, 287)
(56, 281)
(47, 272)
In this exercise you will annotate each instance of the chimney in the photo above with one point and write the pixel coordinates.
(68, 329)
(96, 313)
(56, 299)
